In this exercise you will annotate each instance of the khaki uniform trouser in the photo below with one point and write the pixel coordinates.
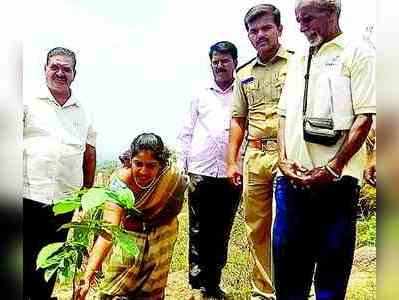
(259, 168)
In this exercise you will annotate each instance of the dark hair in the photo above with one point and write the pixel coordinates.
(153, 142)
(224, 47)
(125, 156)
(64, 52)
(261, 10)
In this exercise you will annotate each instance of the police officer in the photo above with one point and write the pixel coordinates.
(256, 94)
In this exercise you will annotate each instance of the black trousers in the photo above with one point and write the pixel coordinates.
(212, 207)
(39, 228)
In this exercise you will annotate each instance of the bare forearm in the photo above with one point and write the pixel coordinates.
(89, 166)
(237, 130)
(353, 142)
(112, 214)
(98, 253)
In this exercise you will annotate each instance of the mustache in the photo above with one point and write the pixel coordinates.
(220, 70)
(262, 41)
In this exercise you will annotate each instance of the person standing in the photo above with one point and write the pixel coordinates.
(214, 201)
(256, 95)
(325, 116)
(59, 156)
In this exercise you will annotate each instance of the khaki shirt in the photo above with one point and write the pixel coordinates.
(54, 141)
(341, 86)
(257, 91)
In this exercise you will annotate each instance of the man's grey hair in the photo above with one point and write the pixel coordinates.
(332, 5)
(64, 52)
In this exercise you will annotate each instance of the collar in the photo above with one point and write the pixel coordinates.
(281, 53)
(339, 41)
(214, 87)
(45, 94)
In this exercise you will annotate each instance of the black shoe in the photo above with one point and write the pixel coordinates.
(213, 293)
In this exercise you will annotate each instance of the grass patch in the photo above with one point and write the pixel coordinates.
(362, 286)
(236, 274)
(366, 232)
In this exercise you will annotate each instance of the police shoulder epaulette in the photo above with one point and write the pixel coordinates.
(291, 51)
(246, 64)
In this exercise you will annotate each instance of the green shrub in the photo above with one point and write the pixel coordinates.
(368, 200)
(366, 232)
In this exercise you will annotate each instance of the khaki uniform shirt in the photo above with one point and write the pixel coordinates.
(257, 90)
(341, 86)
(54, 142)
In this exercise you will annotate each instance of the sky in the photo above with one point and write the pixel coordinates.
(139, 63)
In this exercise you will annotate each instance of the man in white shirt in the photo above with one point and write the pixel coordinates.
(59, 156)
(213, 203)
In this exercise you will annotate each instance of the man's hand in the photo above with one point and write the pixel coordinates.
(318, 177)
(295, 172)
(194, 179)
(370, 175)
(234, 175)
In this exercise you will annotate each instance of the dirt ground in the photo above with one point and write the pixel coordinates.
(362, 272)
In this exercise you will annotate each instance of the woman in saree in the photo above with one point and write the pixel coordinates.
(158, 189)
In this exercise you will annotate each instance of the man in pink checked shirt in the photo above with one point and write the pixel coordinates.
(213, 202)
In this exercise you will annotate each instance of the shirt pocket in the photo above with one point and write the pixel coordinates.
(277, 86)
(37, 125)
(253, 93)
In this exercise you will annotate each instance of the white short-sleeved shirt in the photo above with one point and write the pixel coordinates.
(341, 86)
(54, 141)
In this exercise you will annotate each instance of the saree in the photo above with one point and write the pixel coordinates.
(144, 276)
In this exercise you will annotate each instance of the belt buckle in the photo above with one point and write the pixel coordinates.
(268, 145)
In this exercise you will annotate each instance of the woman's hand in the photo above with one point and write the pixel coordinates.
(82, 289)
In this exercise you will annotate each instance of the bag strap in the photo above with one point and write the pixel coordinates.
(305, 92)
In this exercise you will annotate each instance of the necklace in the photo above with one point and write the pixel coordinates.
(143, 187)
